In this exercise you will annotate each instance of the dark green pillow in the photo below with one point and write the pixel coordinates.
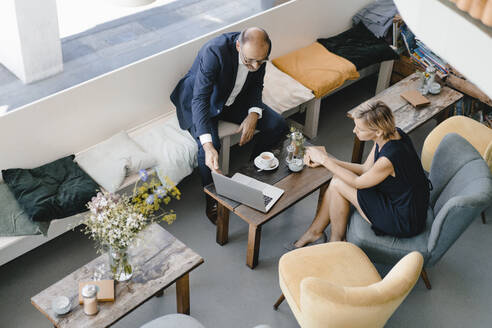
(55, 190)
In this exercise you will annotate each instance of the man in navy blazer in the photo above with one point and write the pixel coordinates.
(225, 83)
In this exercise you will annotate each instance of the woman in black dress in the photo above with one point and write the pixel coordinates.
(390, 190)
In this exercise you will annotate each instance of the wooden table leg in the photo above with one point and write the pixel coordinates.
(358, 150)
(253, 252)
(183, 294)
(444, 114)
(222, 224)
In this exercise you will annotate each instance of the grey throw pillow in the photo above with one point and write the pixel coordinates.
(13, 220)
(110, 161)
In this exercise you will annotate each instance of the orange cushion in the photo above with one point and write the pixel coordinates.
(317, 69)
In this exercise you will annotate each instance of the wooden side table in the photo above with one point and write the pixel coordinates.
(296, 186)
(407, 117)
(158, 262)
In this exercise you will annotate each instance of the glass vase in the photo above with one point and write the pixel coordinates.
(297, 142)
(119, 264)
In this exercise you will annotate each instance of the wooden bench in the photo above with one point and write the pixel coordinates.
(227, 130)
(311, 108)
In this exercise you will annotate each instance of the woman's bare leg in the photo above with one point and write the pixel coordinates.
(320, 222)
(343, 195)
(339, 211)
(335, 206)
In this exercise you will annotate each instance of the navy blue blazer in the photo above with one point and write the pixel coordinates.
(202, 93)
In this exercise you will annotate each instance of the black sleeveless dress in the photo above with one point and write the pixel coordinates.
(398, 205)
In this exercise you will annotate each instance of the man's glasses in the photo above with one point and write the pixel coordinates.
(248, 61)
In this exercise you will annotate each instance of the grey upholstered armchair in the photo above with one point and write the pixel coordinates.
(462, 189)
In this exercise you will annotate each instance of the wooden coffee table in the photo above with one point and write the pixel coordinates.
(407, 117)
(296, 186)
(159, 261)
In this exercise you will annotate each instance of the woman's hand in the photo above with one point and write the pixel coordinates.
(315, 156)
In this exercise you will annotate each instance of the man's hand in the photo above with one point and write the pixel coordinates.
(211, 156)
(248, 127)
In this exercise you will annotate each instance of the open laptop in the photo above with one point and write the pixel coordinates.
(248, 191)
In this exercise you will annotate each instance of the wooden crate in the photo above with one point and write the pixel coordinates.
(402, 68)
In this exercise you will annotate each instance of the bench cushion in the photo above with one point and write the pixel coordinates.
(110, 161)
(317, 69)
(281, 92)
(53, 191)
(13, 220)
(359, 46)
(174, 149)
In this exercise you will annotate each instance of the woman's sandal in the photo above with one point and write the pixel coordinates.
(321, 240)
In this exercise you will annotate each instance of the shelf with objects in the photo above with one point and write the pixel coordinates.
(416, 56)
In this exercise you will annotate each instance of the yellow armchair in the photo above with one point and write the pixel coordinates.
(336, 285)
(477, 134)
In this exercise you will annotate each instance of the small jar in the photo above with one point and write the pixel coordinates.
(61, 305)
(89, 293)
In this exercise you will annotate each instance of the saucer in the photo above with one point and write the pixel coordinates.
(273, 167)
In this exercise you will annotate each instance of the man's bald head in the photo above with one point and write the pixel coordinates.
(254, 47)
(256, 37)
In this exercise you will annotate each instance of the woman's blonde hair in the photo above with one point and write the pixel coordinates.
(377, 115)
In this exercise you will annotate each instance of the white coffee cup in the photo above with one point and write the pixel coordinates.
(265, 159)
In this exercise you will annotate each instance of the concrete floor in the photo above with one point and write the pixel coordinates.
(225, 293)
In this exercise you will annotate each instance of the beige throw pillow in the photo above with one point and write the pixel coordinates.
(174, 148)
(281, 92)
(110, 161)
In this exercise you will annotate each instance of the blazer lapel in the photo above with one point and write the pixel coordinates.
(235, 64)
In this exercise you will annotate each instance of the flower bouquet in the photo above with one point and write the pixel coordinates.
(114, 221)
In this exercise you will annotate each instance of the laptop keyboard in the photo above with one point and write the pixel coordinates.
(266, 199)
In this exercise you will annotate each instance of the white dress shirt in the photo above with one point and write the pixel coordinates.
(242, 74)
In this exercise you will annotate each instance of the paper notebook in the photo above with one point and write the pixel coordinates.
(105, 293)
(415, 98)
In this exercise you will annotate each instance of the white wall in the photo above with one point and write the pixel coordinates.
(32, 47)
(453, 37)
(74, 119)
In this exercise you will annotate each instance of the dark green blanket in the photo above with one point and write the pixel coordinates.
(359, 46)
